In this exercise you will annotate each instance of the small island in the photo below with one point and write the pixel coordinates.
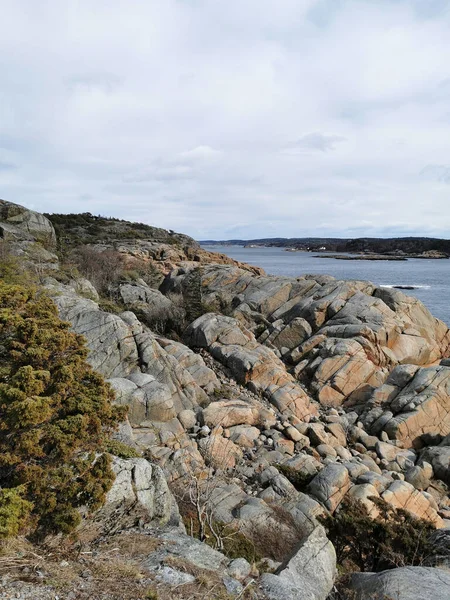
(396, 256)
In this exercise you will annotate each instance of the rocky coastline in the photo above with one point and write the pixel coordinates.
(261, 404)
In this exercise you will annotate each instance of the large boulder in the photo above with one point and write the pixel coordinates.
(148, 400)
(288, 336)
(218, 451)
(229, 413)
(401, 494)
(330, 486)
(308, 575)
(176, 546)
(139, 496)
(406, 583)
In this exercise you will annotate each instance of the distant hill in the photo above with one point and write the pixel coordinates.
(303, 243)
(406, 245)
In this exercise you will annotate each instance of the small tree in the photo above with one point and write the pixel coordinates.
(55, 412)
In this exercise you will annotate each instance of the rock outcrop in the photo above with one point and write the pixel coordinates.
(153, 376)
(401, 494)
(29, 236)
(18, 223)
(340, 337)
(251, 363)
(173, 417)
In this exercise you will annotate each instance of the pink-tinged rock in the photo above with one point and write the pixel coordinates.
(401, 494)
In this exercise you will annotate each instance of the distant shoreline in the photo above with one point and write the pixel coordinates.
(351, 249)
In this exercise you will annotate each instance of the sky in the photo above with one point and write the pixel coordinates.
(230, 119)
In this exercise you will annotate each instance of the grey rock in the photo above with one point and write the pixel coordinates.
(402, 375)
(19, 222)
(244, 436)
(386, 451)
(326, 450)
(330, 485)
(420, 476)
(151, 402)
(139, 495)
(132, 294)
(304, 464)
(113, 350)
(369, 462)
(125, 434)
(406, 583)
(174, 543)
(192, 362)
(84, 287)
(439, 458)
(173, 577)
(232, 586)
(239, 568)
(379, 482)
(141, 379)
(308, 575)
(294, 434)
(187, 418)
(419, 409)
(305, 511)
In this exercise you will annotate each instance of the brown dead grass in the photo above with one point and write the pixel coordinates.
(110, 569)
(130, 544)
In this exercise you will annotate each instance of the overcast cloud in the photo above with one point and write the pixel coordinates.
(225, 119)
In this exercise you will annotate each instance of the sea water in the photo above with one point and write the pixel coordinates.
(429, 277)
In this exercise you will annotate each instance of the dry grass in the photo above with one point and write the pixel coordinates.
(18, 555)
(110, 569)
(131, 544)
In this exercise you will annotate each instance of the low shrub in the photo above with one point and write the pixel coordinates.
(395, 538)
(111, 306)
(14, 511)
(120, 449)
(13, 269)
(299, 480)
(55, 415)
